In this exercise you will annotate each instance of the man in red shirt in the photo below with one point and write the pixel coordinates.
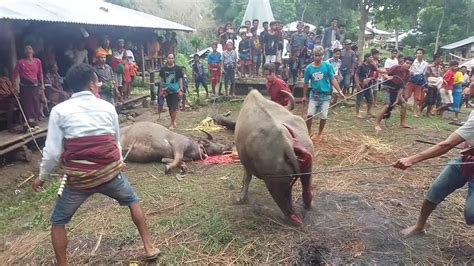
(277, 88)
(397, 77)
(447, 91)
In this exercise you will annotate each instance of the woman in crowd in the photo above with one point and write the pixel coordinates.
(54, 86)
(30, 71)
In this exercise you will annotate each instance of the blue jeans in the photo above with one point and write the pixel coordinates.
(447, 182)
(367, 94)
(118, 188)
(199, 81)
(319, 104)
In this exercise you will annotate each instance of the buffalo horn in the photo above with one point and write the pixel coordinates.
(209, 136)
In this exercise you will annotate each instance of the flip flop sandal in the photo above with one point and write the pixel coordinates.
(153, 257)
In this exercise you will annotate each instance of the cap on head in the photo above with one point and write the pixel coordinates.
(347, 42)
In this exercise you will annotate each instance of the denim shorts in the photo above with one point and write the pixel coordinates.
(319, 105)
(346, 78)
(367, 94)
(447, 182)
(118, 188)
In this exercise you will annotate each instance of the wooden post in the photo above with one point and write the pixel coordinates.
(143, 65)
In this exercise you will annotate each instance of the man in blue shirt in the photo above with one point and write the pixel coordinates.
(320, 75)
(214, 66)
(199, 76)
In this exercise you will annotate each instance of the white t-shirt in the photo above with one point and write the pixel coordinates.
(130, 57)
(81, 57)
(419, 67)
(466, 131)
(390, 63)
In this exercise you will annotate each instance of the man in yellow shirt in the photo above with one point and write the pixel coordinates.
(104, 48)
(457, 94)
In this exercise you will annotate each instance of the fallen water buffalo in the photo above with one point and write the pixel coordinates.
(224, 121)
(273, 144)
(150, 142)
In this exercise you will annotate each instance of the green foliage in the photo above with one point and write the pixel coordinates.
(458, 23)
(183, 60)
(284, 10)
(225, 10)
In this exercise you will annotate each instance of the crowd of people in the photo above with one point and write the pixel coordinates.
(38, 91)
(329, 67)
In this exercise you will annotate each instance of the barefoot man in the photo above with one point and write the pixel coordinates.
(321, 76)
(171, 86)
(83, 133)
(450, 179)
(397, 77)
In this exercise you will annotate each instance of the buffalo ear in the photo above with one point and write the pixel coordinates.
(209, 136)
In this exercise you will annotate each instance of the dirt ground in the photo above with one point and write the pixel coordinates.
(356, 215)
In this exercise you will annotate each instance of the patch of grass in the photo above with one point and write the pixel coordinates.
(26, 209)
(140, 90)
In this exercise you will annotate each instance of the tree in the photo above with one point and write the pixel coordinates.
(284, 10)
(437, 29)
(398, 15)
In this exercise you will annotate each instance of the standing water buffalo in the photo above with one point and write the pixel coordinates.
(273, 144)
(153, 142)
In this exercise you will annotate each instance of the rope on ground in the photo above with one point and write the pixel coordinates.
(30, 130)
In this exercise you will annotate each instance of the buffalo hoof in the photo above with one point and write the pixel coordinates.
(295, 219)
(240, 200)
(307, 199)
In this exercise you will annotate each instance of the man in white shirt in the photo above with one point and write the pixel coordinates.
(417, 80)
(451, 178)
(392, 60)
(336, 63)
(81, 55)
(83, 135)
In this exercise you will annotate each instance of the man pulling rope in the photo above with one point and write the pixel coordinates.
(83, 132)
(456, 174)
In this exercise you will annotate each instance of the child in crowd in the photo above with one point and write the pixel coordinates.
(294, 65)
(244, 54)
(284, 71)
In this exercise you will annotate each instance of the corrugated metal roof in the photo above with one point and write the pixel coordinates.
(83, 12)
(458, 43)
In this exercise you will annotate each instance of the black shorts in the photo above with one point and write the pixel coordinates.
(172, 100)
(431, 96)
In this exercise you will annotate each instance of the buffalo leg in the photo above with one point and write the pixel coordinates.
(183, 167)
(166, 160)
(281, 193)
(178, 157)
(245, 185)
(307, 193)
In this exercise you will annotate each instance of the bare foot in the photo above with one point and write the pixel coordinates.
(151, 255)
(359, 116)
(369, 115)
(172, 127)
(411, 231)
(378, 128)
(405, 126)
